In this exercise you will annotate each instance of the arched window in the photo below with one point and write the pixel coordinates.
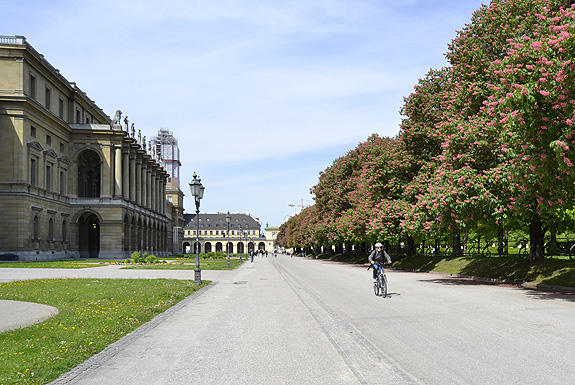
(51, 229)
(89, 174)
(36, 226)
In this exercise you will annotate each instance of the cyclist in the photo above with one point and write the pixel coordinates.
(376, 259)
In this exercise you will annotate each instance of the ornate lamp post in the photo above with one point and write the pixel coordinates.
(228, 219)
(197, 190)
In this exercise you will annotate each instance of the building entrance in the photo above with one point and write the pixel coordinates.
(89, 235)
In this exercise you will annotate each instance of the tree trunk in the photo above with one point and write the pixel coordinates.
(500, 235)
(536, 239)
(465, 237)
(410, 245)
(456, 252)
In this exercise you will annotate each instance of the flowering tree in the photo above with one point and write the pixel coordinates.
(517, 57)
(485, 144)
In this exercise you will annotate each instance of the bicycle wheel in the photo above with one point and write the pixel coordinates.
(383, 286)
(376, 287)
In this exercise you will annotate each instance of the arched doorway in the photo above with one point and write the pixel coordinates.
(89, 235)
(241, 247)
(262, 246)
(219, 247)
(208, 247)
(186, 247)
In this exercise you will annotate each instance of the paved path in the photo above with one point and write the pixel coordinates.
(301, 321)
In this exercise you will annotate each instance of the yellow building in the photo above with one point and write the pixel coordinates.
(243, 233)
(271, 236)
(73, 182)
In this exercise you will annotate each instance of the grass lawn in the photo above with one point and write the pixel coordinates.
(190, 264)
(556, 271)
(67, 264)
(93, 313)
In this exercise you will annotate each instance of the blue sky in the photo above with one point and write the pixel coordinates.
(261, 94)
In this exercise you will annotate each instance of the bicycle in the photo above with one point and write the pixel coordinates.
(380, 284)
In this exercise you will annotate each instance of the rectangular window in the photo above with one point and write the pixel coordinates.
(33, 132)
(61, 147)
(48, 177)
(48, 140)
(33, 172)
(61, 109)
(232, 232)
(62, 182)
(47, 99)
(32, 86)
(78, 117)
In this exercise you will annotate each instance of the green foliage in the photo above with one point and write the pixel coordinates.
(485, 146)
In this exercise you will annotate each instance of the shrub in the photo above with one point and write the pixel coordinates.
(151, 259)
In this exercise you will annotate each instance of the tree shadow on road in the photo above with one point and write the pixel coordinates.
(549, 294)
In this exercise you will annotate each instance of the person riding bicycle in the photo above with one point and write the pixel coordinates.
(376, 259)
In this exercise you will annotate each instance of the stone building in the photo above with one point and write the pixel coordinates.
(167, 151)
(244, 233)
(73, 182)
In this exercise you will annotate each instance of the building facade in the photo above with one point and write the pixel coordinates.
(167, 152)
(73, 182)
(271, 236)
(243, 234)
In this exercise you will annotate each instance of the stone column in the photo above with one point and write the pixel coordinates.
(154, 191)
(106, 174)
(144, 184)
(133, 181)
(149, 182)
(125, 175)
(118, 172)
(138, 184)
(163, 196)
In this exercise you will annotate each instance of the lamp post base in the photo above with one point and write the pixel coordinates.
(197, 276)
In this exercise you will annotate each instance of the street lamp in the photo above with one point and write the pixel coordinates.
(228, 219)
(197, 190)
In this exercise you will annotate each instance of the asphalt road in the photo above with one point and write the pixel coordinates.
(301, 321)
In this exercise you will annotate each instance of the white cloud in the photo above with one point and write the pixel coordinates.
(247, 82)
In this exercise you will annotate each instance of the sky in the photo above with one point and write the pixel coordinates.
(262, 95)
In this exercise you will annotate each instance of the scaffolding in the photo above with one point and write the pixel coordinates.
(168, 153)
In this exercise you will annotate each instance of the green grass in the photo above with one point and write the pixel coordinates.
(93, 313)
(550, 271)
(66, 264)
(190, 264)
